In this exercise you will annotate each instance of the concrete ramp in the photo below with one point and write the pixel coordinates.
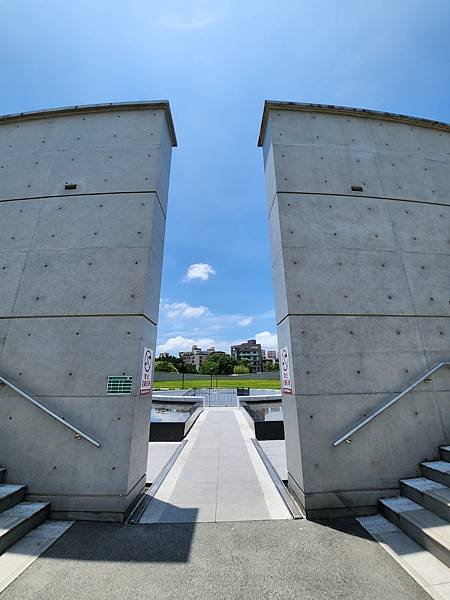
(218, 476)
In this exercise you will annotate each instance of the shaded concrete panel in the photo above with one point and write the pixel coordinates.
(399, 225)
(345, 355)
(11, 268)
(367, 282)
(17, 224)
(55, 357)
(109, 161)
(362, 282)
(428, 278)
(82, 298)
(83, 282)
(72, 130)
(127, 168)
(335, 171)
(117, 219)
(376, 459)
(72, 355)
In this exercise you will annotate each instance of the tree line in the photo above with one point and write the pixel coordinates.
(217, 363)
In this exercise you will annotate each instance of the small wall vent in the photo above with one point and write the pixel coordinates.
(119, 384)
(70, 186)
(357, 188)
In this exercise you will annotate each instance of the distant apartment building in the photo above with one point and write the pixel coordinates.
(270, 359)
(250, 352)
(196, 357)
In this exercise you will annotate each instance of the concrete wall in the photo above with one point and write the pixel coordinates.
(362, 293)
(80, 275)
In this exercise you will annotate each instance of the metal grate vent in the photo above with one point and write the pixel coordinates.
(119, 384)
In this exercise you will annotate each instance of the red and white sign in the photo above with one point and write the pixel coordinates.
(286, 384)
(147, 371)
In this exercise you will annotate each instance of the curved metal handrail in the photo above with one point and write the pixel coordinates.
(386, 405)
(49, 412)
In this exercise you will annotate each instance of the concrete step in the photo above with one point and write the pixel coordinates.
(19, 520)
(445, 453)
(10, 495)
(2, 474)
(430, 494)
(426, 528)
(437, 470)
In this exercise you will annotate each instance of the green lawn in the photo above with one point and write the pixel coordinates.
(262, 384)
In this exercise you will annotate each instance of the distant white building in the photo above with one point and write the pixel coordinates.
(196, 357)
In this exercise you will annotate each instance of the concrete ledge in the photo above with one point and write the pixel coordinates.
(96, 108)
(92, 508)
(346, 111)
(339, 504)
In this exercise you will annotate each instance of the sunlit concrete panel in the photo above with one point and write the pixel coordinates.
(359, 221)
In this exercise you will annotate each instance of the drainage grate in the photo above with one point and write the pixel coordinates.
(119, 384)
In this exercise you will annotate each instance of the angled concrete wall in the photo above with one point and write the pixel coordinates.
(359, 217)
(80, 272)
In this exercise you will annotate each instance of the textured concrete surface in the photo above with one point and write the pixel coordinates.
(253, 560)
(80, 272)
(362, 289)
(218, 476)
(158, 455)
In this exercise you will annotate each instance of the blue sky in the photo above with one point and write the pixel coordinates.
(216, 62)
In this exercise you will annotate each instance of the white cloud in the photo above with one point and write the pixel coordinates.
(267, 340)
(182, 344)
(245, 321)
(184, 310)
(200, 271)
(190, 15)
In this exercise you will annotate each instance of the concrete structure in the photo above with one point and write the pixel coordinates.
(196, 357)
(83, 201)
(250, 352)
(358, 205)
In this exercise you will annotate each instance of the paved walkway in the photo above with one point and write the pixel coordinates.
(256, 560)
(218, 476)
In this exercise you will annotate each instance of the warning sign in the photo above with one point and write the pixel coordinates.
(147, 371)
(286, 384)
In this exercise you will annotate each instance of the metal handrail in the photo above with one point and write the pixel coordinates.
(383, 407)
(49, 412)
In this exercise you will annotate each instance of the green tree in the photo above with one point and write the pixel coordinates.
(179, 364)
(272, 366)
(241, 369)
(161, 364)
(218, 363)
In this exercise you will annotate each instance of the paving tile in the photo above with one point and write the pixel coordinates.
(253, 511)
(211, 461)
(203, 452)
(239, 491)
(439, 592)
(185, 513)
(198, 474)
(237, 474)
(233, 450)
(234, 461)
(186, 493)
